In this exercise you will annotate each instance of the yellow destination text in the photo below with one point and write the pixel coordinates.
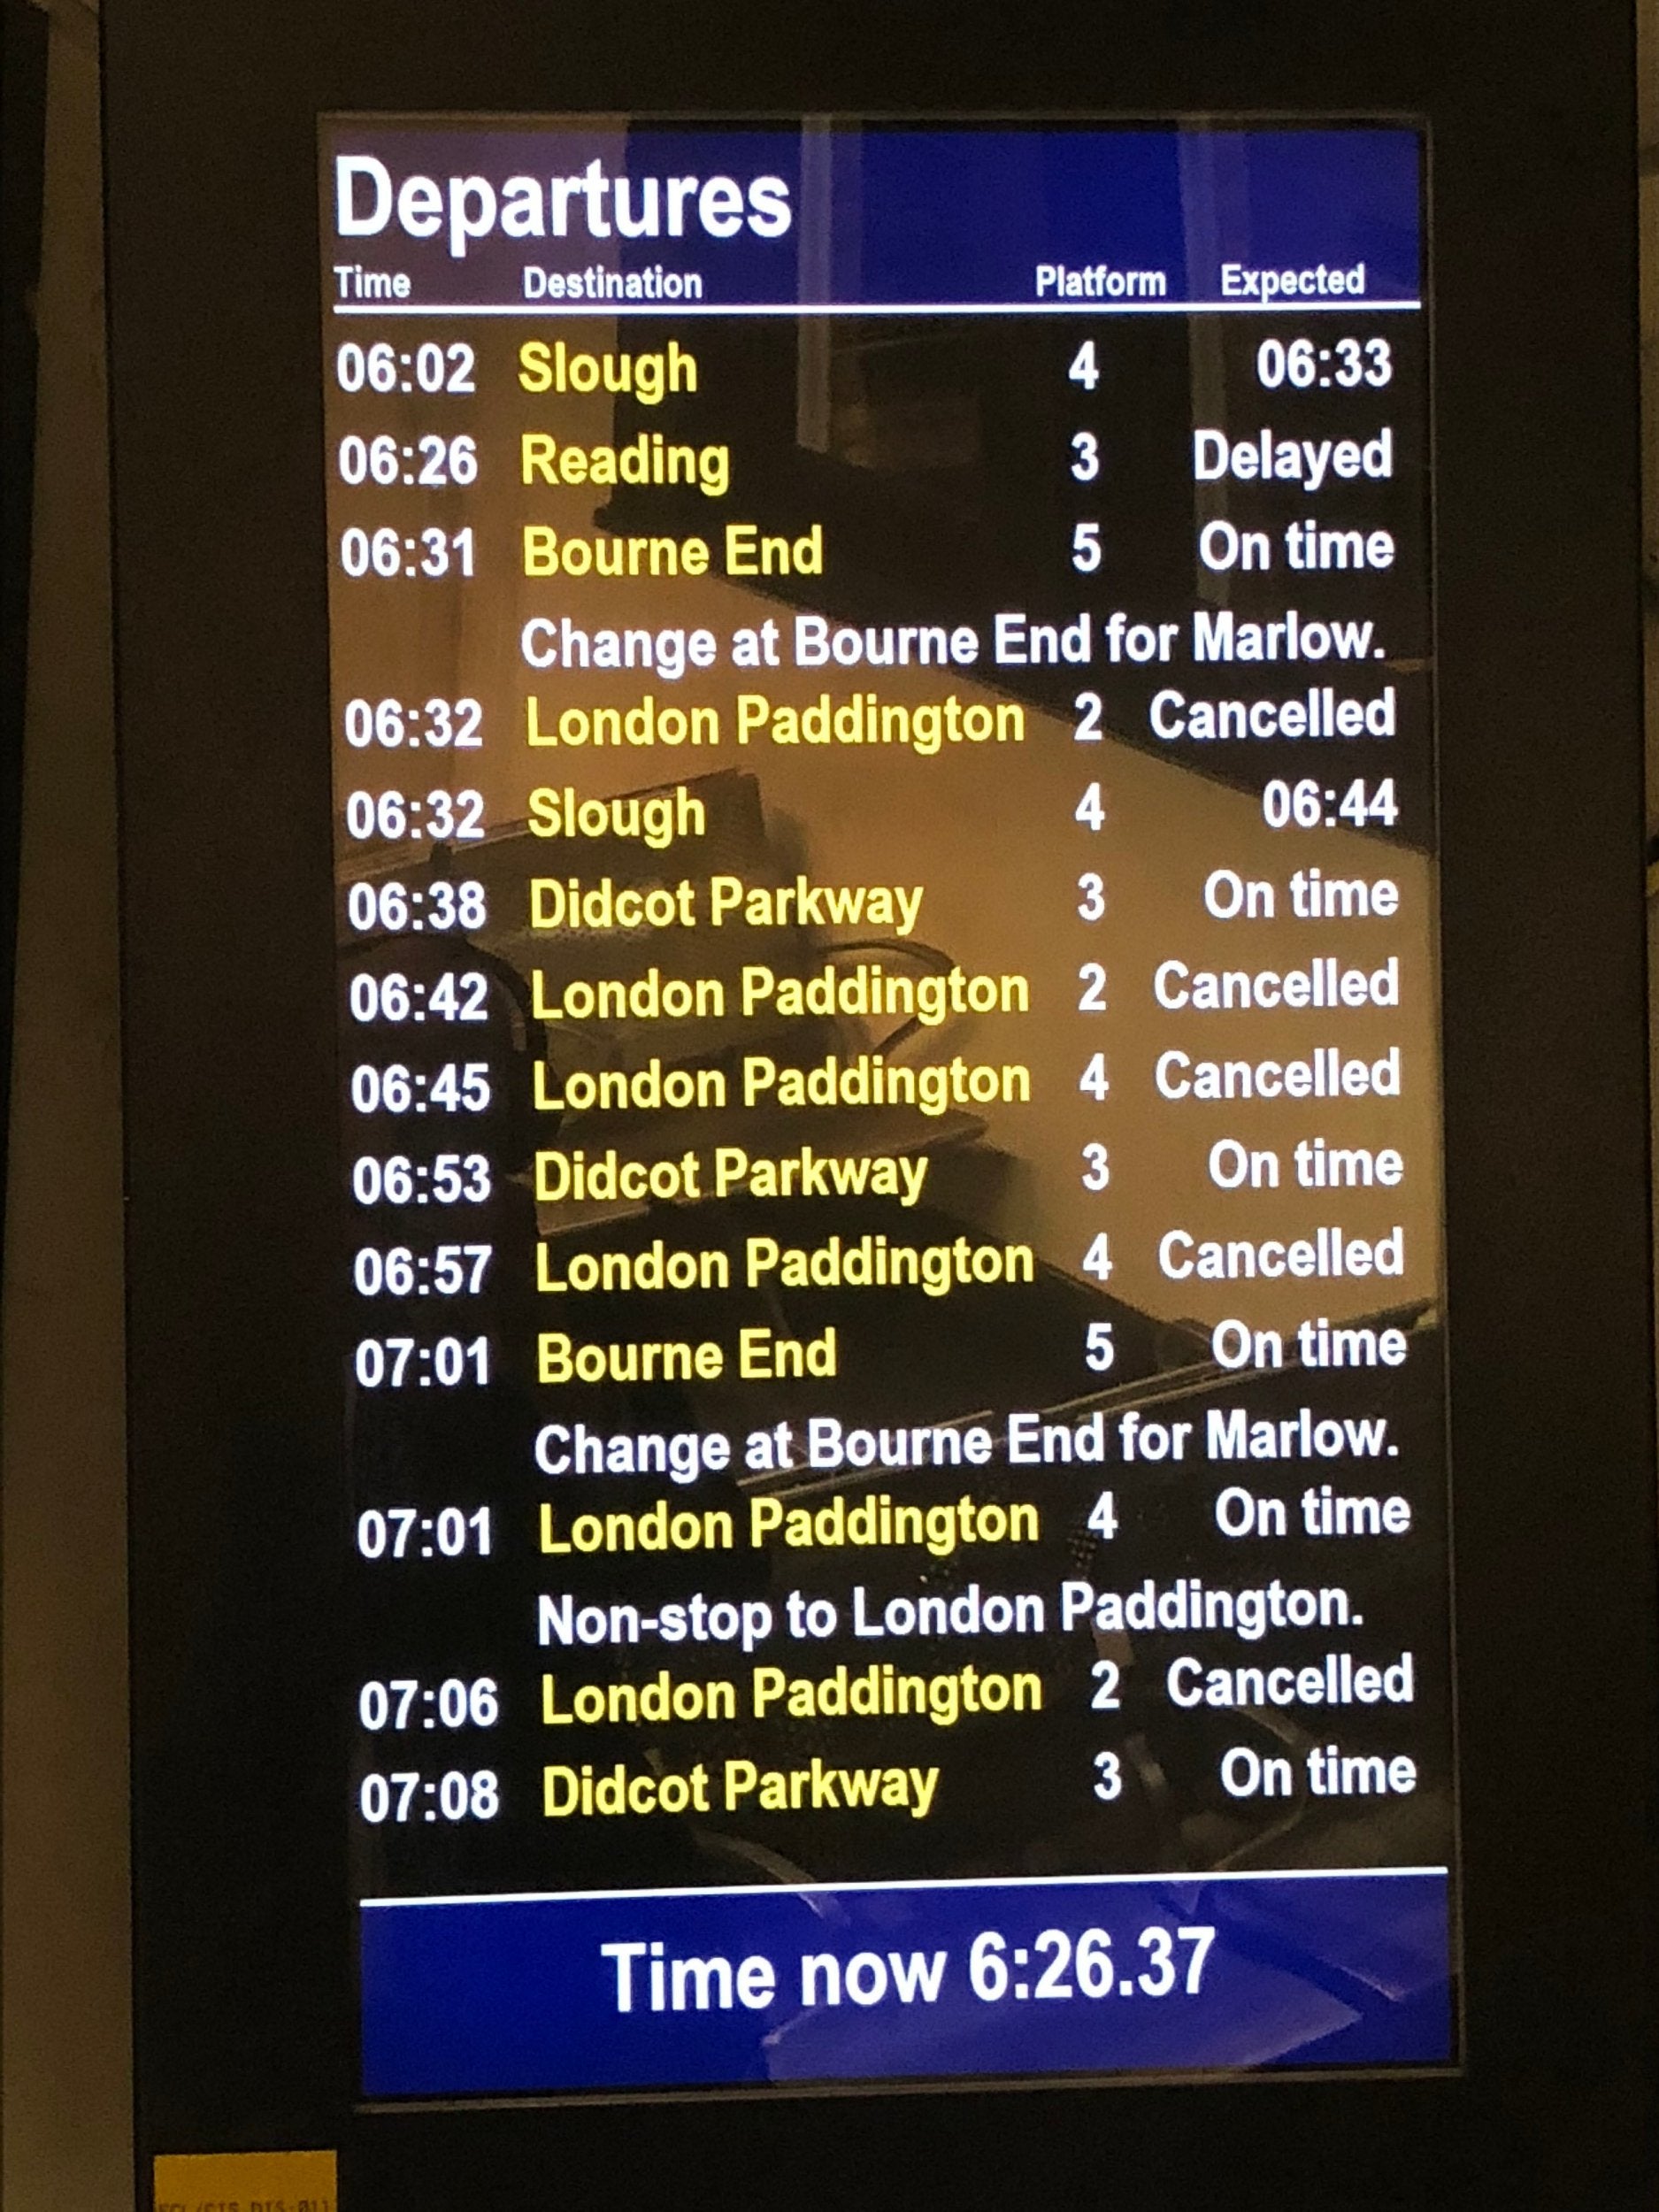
(823, 1788)
(644, 724)
(815, 905)
(942, 1529)
(651, 997)
(810, 1174)
(548, 552)
(559, 1359)
(649, 1089)
(564, 1176)
(648, 459)
(863, 718)
(870, 1079)
(749, 554)
(577, 1791)
(879, 1692)
(762, 1356)
(626, 1703)
(866, 988)
(585, 1792)
(657, 1528)
(566, 903)
(649, 377)
(870, 1263)
(657, 818)
(656, 1268)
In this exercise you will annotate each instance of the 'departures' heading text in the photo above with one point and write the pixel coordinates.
(593, 204)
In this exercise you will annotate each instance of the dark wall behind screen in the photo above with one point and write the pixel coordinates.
(220, 636)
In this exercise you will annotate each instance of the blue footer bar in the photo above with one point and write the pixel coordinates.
(903, 1981)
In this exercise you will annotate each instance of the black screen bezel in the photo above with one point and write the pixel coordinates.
(244, 2032)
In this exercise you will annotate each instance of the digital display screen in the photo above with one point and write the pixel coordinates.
(891, 1132)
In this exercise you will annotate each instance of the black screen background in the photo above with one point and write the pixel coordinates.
(243, 2013)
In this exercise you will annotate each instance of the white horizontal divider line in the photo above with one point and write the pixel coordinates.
(555, 309)
(991, 1881)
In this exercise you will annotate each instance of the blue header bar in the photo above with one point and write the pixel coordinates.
(576, 218)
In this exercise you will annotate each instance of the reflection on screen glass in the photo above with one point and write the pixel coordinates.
(885, 824)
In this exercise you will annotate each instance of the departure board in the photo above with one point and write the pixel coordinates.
(890, 1129)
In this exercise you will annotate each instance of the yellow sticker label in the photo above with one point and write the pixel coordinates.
(248, 2181)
